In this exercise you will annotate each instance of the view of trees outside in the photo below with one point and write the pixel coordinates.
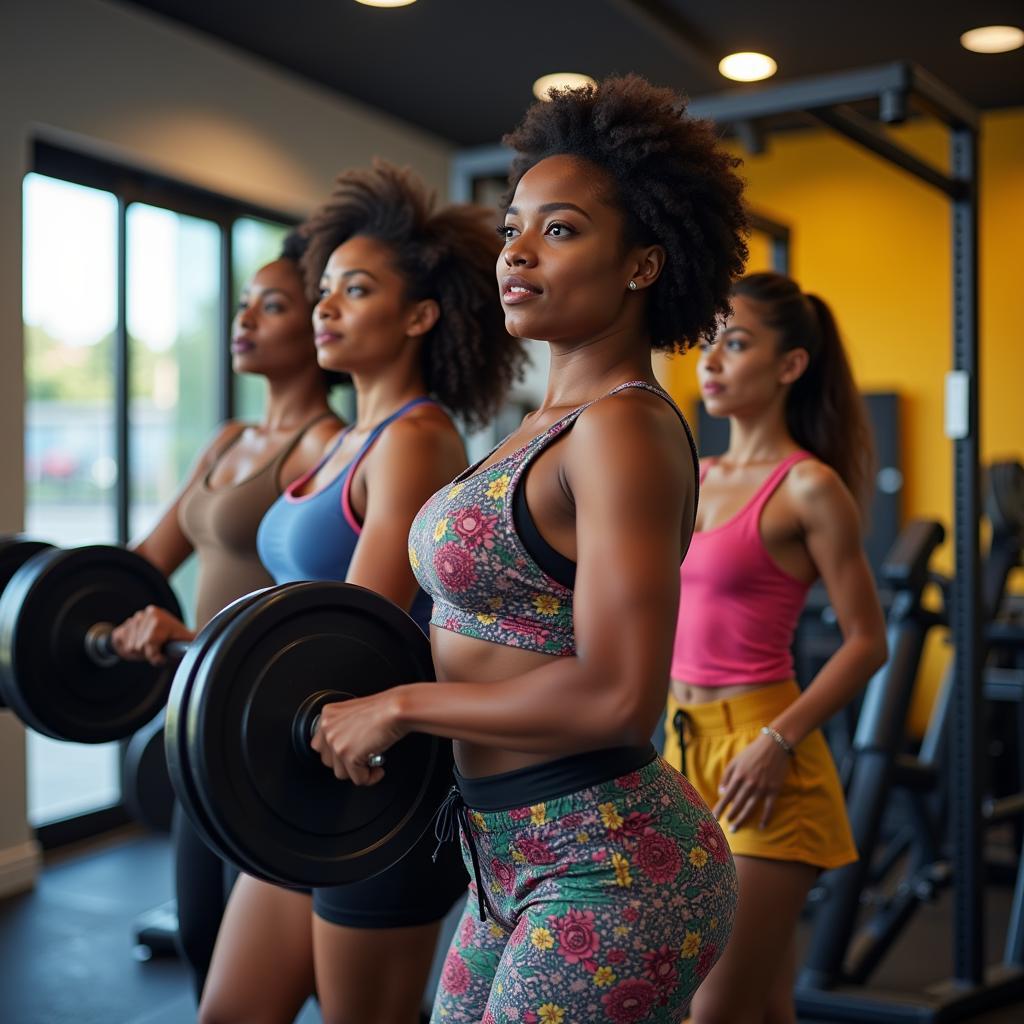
(175, 354)
(70, 313)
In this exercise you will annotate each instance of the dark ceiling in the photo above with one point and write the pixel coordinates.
(463, 69)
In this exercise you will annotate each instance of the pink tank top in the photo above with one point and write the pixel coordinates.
(737, 609)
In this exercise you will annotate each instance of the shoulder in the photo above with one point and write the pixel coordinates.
(817, 492)
(227, 432)
(634, 438)
(321, 434)
(630, 420)
(811, 480)
(426, 432)
(634, 409)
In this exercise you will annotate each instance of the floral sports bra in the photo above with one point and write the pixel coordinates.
(467, 553)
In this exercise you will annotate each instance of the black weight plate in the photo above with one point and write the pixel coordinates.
(179, 769)
(176, 737)
(376, 826)
(279, 813)
(15, 551)
(145, 785)
(46, 677)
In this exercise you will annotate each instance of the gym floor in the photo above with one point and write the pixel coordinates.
(66, 948)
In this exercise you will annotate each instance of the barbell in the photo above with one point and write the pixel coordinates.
(242, 710)
(15, 551)
(244, 707)
(58, 670)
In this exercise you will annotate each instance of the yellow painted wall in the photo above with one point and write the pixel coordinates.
(875, 243)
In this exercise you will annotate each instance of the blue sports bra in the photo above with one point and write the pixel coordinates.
(314, 536)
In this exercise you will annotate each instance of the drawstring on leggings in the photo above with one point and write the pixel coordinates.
(452, 813)
(679, 721)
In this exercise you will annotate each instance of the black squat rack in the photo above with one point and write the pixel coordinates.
(857, 105)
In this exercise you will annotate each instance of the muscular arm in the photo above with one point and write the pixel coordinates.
(143, 635)
(833, 538)
(628, 514)
(413, 458)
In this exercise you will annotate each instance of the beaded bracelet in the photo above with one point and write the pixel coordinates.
(767, 730)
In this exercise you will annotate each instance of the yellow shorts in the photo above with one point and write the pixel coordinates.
(808, 823)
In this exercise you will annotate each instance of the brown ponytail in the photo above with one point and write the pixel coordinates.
(824, 411)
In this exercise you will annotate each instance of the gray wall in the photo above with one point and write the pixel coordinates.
(130, 86)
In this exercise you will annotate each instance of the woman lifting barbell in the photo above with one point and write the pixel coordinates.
(406, 306)
(216, 514)
(604, 888)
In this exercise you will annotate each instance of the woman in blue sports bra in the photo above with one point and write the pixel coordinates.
(405, 306)
(311, 533)
(603, 888)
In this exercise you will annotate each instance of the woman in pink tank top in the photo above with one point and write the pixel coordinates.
(777, 511)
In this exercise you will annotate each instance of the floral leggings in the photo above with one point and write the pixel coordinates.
(610, 904)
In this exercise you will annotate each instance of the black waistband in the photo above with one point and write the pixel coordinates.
(552, 779)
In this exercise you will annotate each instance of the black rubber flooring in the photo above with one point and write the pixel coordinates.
(66, 948)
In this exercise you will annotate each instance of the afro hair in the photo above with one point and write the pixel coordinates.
(676, 186)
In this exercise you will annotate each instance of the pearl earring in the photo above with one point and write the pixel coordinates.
(632, 286)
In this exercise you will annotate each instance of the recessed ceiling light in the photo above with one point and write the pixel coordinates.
(993, 39)
(560, 80)
(386, 3)
(747, 67)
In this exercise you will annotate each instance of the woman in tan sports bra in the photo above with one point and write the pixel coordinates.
(236, 478)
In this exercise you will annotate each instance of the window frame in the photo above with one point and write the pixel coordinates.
(131, 185)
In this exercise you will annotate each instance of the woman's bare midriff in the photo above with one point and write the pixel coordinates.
(689, 693)
(458, 658)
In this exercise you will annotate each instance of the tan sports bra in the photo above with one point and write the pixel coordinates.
(221, 524)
